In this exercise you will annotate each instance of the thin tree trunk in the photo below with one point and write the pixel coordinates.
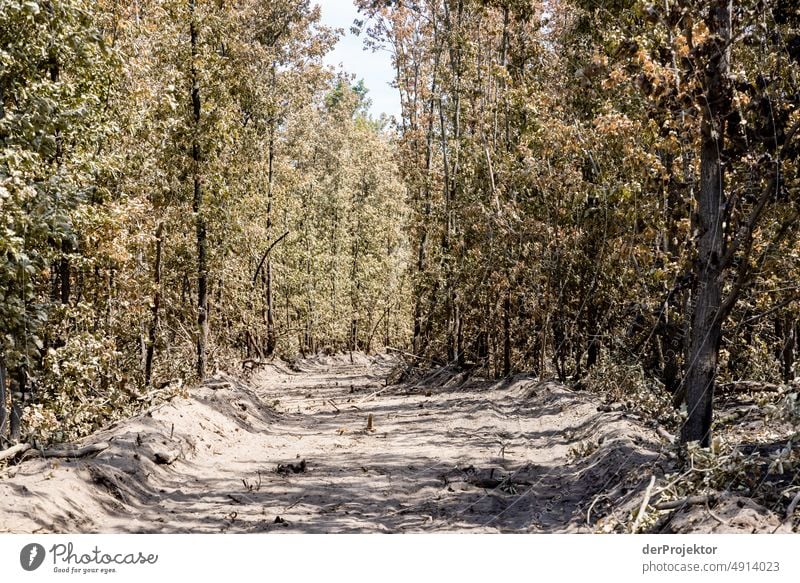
(3, 401)
(706, 327)
(151, 340)
(271, 337)
(66, 245)
(64, 271)
(197, 205)
(787, 355)
(507, 335)
(17, 404)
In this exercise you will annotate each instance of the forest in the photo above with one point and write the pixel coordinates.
(592, 201)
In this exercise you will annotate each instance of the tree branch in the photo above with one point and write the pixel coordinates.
(266, 254)
(14, 450)
(745, 234)
(772, 310)
(743, 271)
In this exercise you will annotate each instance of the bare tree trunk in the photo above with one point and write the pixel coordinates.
(197, 205)
(271, 337)
(788, 350)
(706, 327)
(151, 339)
(3, 401)
(17, 404)
(507, 334)
(64, 271)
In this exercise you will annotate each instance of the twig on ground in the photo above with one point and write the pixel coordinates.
(591, 507)
(714, 516)
(665, 434)
(792, 506)
(295, 503)
(688, 501)
(645, 501)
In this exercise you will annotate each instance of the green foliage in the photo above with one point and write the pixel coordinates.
(629, 386)
(533, 209)
(96, 188)
(53, 70)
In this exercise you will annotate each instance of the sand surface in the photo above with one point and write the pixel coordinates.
(290, 451)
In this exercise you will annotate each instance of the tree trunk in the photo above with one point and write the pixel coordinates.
(787, 353)
(151, 340)
(64, 271)
(706, 326)
(271, 337)
(460, 337)
(3, 401)
(420, 337)
(197, 205)
(17, 404)
(507, 335)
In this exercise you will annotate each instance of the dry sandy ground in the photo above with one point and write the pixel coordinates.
(291, 452)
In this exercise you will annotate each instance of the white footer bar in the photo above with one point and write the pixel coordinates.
(412, 558)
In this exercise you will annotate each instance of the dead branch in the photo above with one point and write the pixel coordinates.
(645, 501)
(688, 501)
(14, 451)
(793, 505)
(266, 254)
(665, 434)
(752, 386)
(591, 507)
(737, 414)
(71, 452)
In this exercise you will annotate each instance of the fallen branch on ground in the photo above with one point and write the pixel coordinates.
(792, 506)
(752, 386)
(252, 363)
(736, 414)
(591, 507)
(688, 501)
(665, 434)
(68, 452)
(645, 501)
(14, 450)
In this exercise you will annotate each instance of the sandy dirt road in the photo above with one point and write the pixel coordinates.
(290, 452)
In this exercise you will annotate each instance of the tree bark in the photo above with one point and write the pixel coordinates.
(788, 347)
(151, 340)
(197, 204)
(17, 404)
(706, 326)
(271, 336)
(507, 335)
(3, 399)
(64, 271)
